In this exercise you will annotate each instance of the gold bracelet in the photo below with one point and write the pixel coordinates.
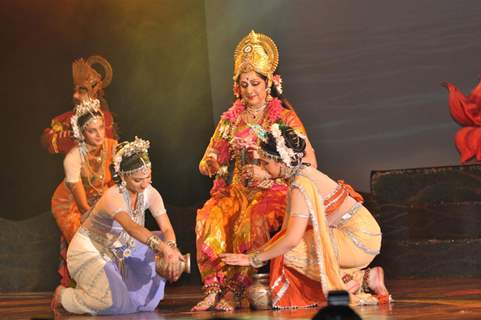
(255, 261)
(153, 242)
(266, 184)
(171, 243)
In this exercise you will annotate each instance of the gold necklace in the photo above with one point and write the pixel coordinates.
(98, 174)
(254, 115)
(255, 111)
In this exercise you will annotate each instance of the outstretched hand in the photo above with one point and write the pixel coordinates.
(235, 259)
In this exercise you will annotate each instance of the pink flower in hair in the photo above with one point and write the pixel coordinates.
(277, 80)
(236, 90)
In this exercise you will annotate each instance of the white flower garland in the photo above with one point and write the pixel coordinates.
(286, 153)
(288, 156)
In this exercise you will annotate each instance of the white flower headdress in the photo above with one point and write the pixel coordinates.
(128, 149)
(89, 105)
(288, 156)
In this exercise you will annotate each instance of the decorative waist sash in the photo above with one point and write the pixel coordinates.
(335, 199)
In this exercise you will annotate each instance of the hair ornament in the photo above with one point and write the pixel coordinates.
(91, 106)
(128, 149)
(277, 81)
(287, 155)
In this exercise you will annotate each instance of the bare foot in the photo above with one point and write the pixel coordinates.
(352, 286)
(207, 303)
(55, 303)
(227, 303)
(376, 284)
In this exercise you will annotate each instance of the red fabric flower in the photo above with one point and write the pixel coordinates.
(466, 110)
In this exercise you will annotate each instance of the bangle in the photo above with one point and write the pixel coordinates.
(153, 242)
(255, 261)
(171, 243)
(266, 184)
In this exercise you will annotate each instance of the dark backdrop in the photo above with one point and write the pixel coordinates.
(160, 89)
(364, 76)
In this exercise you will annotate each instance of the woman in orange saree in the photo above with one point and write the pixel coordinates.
(246, 205)
(328, 237)
(87, 175)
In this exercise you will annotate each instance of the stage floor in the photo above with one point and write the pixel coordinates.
(414, 299)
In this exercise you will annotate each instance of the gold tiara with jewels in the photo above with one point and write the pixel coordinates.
(256, 52)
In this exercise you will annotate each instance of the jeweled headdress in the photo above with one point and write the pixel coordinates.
(256, 52)
(127, 149)
(86, 76)
(87, 106)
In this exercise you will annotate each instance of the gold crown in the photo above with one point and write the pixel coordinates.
(256, 52)
(84, 74)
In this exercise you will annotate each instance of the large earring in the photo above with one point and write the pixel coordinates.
(282, 171)
(83, 148)
(268, 96)
(123, 186)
